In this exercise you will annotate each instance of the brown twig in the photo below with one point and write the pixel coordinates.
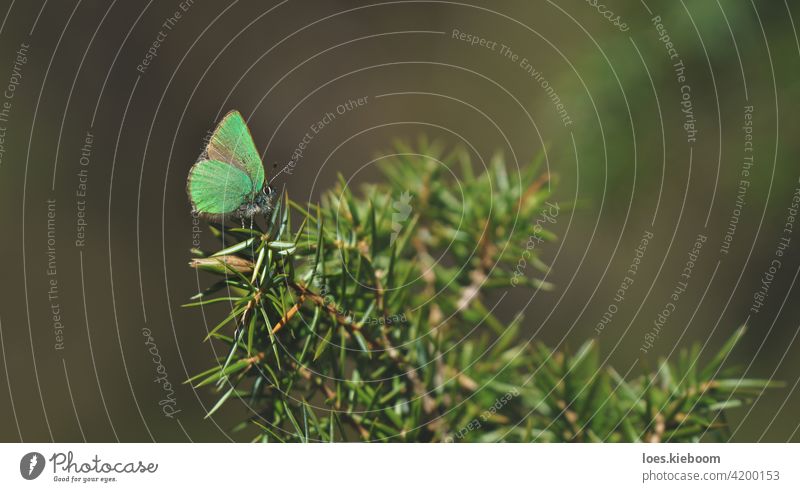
(320, 301)
(331, 395)
(572, 419)
(658, 430)
(533, 188)
(289, 315)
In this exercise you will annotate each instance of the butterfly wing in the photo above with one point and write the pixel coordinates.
(231, 142)
(216, 189)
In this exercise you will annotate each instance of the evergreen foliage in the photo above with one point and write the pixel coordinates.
(367, 318)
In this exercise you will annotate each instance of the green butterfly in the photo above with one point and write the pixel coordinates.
(228, 181)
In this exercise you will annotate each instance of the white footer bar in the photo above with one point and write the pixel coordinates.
(387, 467)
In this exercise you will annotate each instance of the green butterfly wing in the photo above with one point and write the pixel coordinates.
(231, 142)
(217, 188)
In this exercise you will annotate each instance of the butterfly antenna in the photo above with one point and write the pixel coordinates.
(269, 181)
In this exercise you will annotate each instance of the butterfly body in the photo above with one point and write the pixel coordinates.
(261, 204)
(228, 180)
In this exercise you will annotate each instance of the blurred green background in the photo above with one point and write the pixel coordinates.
(624, 160)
